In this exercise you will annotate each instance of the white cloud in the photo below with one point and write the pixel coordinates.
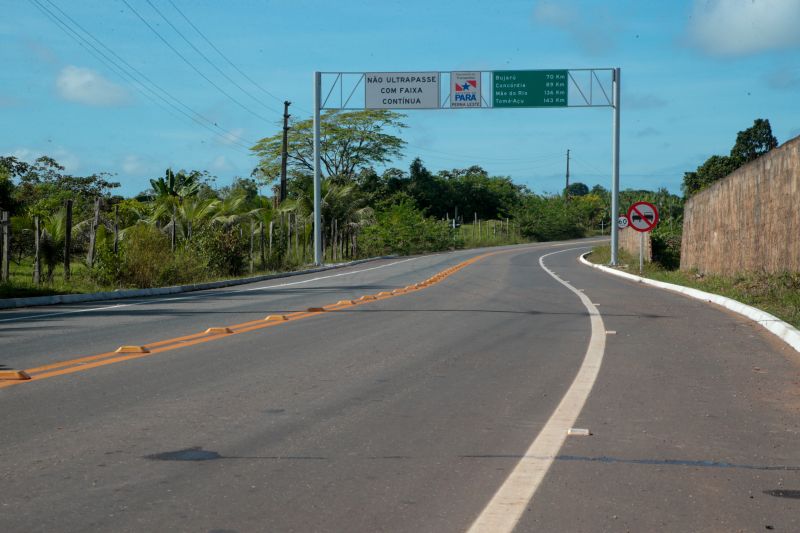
(85, 86)
(64, 157)
(592, 29)
(741, 27)
(554, 14)
(133, 164)
(221, 164)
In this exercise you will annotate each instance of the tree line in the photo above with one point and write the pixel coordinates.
(186, 228)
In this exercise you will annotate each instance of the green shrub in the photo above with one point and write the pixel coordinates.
(144, 254)
(107, 268)
(185, 266)
(224, 250)
(666, 247)
(550, 219)
(402, 229)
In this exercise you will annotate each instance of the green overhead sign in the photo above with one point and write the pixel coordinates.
(529, 88)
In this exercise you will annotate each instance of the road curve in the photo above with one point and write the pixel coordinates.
(405, 413)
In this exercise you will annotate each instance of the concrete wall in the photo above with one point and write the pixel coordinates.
(629, 241)
(748, 221)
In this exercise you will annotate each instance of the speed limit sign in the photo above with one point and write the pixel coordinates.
(622, 222)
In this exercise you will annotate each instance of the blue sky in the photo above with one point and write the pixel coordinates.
(694, 73)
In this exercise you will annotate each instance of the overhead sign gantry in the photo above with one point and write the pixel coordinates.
(597, 87)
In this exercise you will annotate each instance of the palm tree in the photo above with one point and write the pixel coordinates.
(54, 231)
(193, 211)
(180, 185)
(342, 209)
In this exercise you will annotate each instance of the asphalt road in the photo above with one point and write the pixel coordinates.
(407, 413)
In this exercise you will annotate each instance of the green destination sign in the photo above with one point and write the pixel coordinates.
(529, 88)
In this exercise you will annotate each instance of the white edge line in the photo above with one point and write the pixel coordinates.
(506, 507)
(205, 294)
(786, 332)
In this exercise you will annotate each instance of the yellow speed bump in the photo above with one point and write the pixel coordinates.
(18, 375)
(384, 293)
(399, 291)
(316, 309)
(345, 302)
(367, 297)
(219, 331)
(276, 318)
(132, 349)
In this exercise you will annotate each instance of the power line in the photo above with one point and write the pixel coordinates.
(205, 57)
(98, 54)
(227, 60)
(193, 67)
(590, 166)
(113, 65)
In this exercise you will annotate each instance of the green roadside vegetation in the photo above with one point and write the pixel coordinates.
(186, 229)
(777, 294)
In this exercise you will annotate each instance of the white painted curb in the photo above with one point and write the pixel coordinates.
(786, 332)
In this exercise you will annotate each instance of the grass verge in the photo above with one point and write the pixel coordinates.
(777, 294)
(82, 281)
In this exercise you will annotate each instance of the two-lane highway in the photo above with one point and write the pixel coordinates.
(411, 412)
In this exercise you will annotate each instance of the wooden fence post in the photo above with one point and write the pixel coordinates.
(116, 229)
(252, 243)
(93, 233)
(271, 224)
(5, 247)
(37, 260)
(322, 235)
(262, 243)
(305, 241)
(288, 234)
(172, 234)
(67, 240)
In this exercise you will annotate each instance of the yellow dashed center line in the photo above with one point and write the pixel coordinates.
(81, 364)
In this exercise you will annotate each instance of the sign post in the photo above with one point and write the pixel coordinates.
(643, 217)
(317, 172)
(559, 88)
(615, 163)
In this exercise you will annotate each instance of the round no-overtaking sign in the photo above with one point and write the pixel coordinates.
(643, 216)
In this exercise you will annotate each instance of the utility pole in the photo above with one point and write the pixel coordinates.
(566, 189)
(285, 151)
